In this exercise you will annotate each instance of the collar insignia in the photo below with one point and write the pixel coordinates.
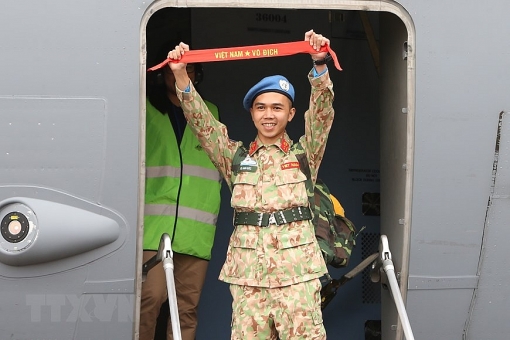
(253, 147)
(284, 145)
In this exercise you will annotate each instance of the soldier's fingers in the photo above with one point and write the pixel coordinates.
(184, 47)
(316, 41)
(324, 41)
(176, 53)
(308, 35)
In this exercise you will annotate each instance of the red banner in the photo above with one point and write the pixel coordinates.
(248, 52)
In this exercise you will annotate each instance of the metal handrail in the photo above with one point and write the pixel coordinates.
(385, 263)
(165, 254)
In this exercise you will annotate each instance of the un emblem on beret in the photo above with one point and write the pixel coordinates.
(284, 85)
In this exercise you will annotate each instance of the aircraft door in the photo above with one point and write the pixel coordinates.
(395, 162)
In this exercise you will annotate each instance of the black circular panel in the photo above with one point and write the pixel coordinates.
(14, 227)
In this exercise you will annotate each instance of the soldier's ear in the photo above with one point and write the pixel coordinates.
(292, 113)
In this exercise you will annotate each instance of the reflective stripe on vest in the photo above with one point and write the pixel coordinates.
(190, 170)
(169, 210)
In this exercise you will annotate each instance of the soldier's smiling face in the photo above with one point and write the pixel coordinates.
(270, 112)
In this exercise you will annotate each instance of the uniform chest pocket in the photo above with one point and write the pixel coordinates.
(244, 190)
(289, 176)
(245, 177)
(291, 184)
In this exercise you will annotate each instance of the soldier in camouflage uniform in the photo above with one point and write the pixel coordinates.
(273, 262)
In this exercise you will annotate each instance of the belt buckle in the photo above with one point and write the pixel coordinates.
(282, 216)
(259, 219)
(272, 219)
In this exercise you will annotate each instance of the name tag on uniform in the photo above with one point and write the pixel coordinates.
(290, 165)
(248, 165)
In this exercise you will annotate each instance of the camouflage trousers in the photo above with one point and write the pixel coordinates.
(286, 313)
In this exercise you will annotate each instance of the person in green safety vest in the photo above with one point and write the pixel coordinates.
(182, 199)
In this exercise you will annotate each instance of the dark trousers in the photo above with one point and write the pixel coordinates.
(189, 274)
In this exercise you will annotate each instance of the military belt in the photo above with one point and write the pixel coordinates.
(276, 217)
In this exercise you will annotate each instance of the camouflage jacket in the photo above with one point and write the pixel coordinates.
(278, 255)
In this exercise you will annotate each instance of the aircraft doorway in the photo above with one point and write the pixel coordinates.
(368, 159)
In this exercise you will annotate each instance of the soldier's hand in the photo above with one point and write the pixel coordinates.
(316, 41)
(176, 54)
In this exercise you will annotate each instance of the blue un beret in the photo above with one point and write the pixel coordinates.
(274, 83)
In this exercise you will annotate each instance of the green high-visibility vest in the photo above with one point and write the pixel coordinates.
(180, 180)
